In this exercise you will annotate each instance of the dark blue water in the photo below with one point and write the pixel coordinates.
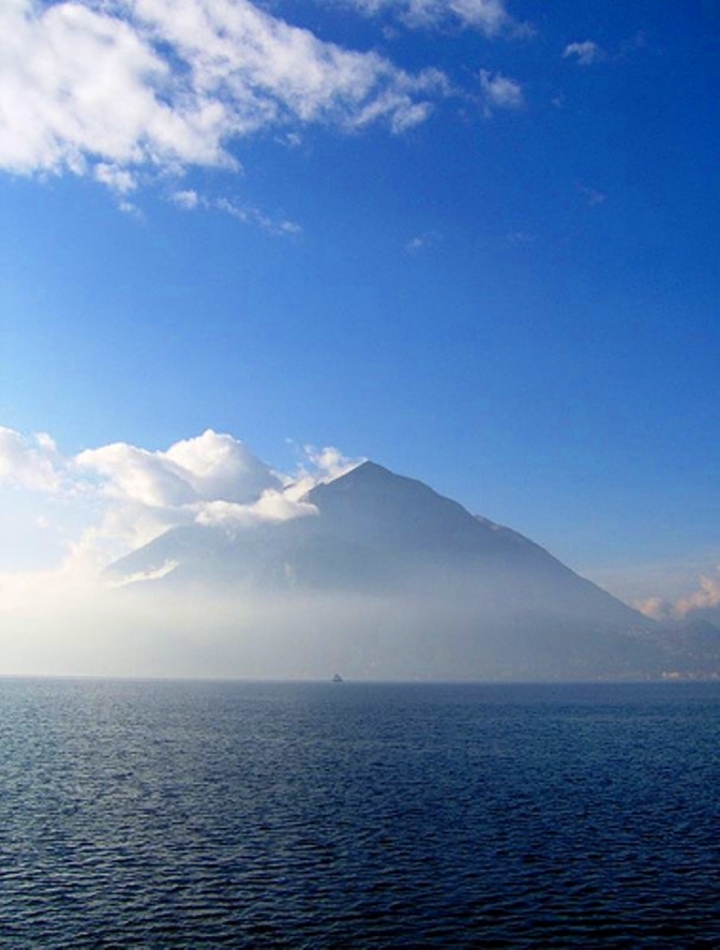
(140, 814)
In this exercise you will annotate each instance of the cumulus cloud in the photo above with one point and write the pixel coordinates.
(130, 495)
(66, 615)
(121, 87)
(500, 92)
(584, 54)
(29, 461)
(490, 17)
(212, 478)
(220, 466)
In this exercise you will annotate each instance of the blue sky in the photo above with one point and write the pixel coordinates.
(473, 240)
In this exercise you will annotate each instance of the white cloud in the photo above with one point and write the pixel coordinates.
(187, 199)
(77, 85)
(319, 465)
(220, 466)
(123, 496)
(29, 462)
(112, 88)
(115, 498)
(209, 467)
(117, 179)
(250, 215)
(500, 92)
(271, 506)
(133, 474)
(329, 462)
(190, 200)
(585, 53)
(490, 17)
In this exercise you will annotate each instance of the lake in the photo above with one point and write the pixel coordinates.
(209, 814)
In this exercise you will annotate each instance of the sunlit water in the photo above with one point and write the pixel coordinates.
(145, 814)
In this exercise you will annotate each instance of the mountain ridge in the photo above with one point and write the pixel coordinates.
(384, 555)
(367, 513)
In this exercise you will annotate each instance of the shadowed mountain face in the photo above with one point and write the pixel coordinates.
(376, 532)
(429, 542)
(452, 587)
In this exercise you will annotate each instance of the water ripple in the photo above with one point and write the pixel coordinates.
(209, 815)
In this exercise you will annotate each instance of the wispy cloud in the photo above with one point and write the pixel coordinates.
(500, 92)
(585, 53)
(490, 17)
(317, 465)
(422, 242)
(250, 215)
(190, 200)
(125, 88)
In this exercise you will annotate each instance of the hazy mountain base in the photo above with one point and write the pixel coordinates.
(419, 623)
(379, 637)
(200, 632)
(389, 580)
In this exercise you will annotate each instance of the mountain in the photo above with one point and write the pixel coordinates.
(431, 589)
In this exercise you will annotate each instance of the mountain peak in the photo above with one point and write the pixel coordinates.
(400, 556)
(370, 488)
(368, 471)
(369, 476)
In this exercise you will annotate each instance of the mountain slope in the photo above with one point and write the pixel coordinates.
(449, 590)
(435, 537)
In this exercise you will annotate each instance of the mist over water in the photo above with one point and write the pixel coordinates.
(423, 635)
(378, 577)
(289, 815)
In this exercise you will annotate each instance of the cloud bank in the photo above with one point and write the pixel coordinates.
(119, 89)
(126, 495)
(133, 92)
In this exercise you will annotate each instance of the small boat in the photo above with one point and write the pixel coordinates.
(337, 678)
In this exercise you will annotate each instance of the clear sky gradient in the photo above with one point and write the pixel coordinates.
(475, 241)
